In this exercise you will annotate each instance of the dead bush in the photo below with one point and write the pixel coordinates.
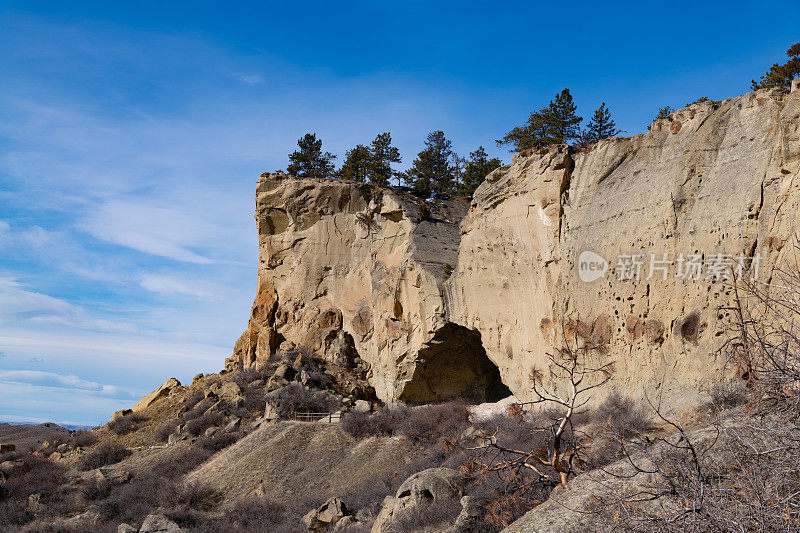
(728, 393)
(383, 423)
(108, 453)
(35, 475)
(249, 516)
(294, 398)
(82, 439)
(198, 425)
(431, 423)
(436, 514)
(126, 424)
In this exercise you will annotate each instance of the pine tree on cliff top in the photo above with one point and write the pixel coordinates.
(601, 126)
(310, 161)
(555, 123)
(357, 164)
(432, 170)
(781, 75)
(477, 168)
(382, 154)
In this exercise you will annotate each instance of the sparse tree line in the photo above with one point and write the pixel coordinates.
(438, 169)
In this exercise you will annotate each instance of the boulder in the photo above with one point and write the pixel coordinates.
(325, 516)
(7, 447)
(121, 413)
(126, 528)
(271, 412)
(230, 391)
(422, 488)
(362, 406)
(233, 425)
(162, 392)
(158, 523)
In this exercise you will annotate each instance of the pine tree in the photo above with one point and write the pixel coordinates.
(563, 123)
(477, 168)
(357, 164)
(556, 123)
(432, 170)
(601, 126)
(382, 155)
(310, 161)
(663, 112)
(781, 75)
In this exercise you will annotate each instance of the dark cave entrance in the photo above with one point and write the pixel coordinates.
(455, 365)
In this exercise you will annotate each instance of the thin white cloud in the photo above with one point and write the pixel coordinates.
(251, 79)
(162, 231)
(20, 305)
(62, 381)
(167, 284)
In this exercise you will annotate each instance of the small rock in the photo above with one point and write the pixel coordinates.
(361, 406)
(175, 438)
(210, 432)
(198, 377)
(158, 523)
(271, 412)
(120, 414)
(55, 456)
(321, 518)
(5, 448)
(126, 528)
(233, 425)
(34, 503)
(63, 448)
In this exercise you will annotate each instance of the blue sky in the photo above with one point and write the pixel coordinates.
(132, 135)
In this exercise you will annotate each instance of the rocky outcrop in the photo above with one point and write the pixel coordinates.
(162, 392)
(441, 298)
(713, 178)
(355, 272)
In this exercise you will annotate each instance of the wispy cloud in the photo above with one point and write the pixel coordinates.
(51, 379)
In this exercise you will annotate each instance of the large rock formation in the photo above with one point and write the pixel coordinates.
(356, 271)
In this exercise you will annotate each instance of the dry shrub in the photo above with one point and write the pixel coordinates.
(728, 393)
(431, 423)
(126, 424)
(198, 425)
(294, 398)
(81, 439)
(35, 475)
(107, 453)
(248, 515)
(244, 377)
(383, 423)
(426, 425)
(430, 515)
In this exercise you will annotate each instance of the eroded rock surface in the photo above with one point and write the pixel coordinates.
(433, 295)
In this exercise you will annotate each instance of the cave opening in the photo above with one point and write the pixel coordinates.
(454, 365)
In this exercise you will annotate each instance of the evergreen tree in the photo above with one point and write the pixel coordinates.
(664, 112)
(478, 167)
(357, 164)
(432, 170)
(601, 126)
(310, 161)
(555, 123)
(382, 155)
(781, 75)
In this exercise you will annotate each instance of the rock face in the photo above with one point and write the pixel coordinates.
(353, 270)
(445, 299)
(162, 392)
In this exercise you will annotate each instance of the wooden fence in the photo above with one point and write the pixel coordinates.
(318, 417)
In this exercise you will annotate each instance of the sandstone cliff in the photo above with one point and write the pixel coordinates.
(445, 298)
